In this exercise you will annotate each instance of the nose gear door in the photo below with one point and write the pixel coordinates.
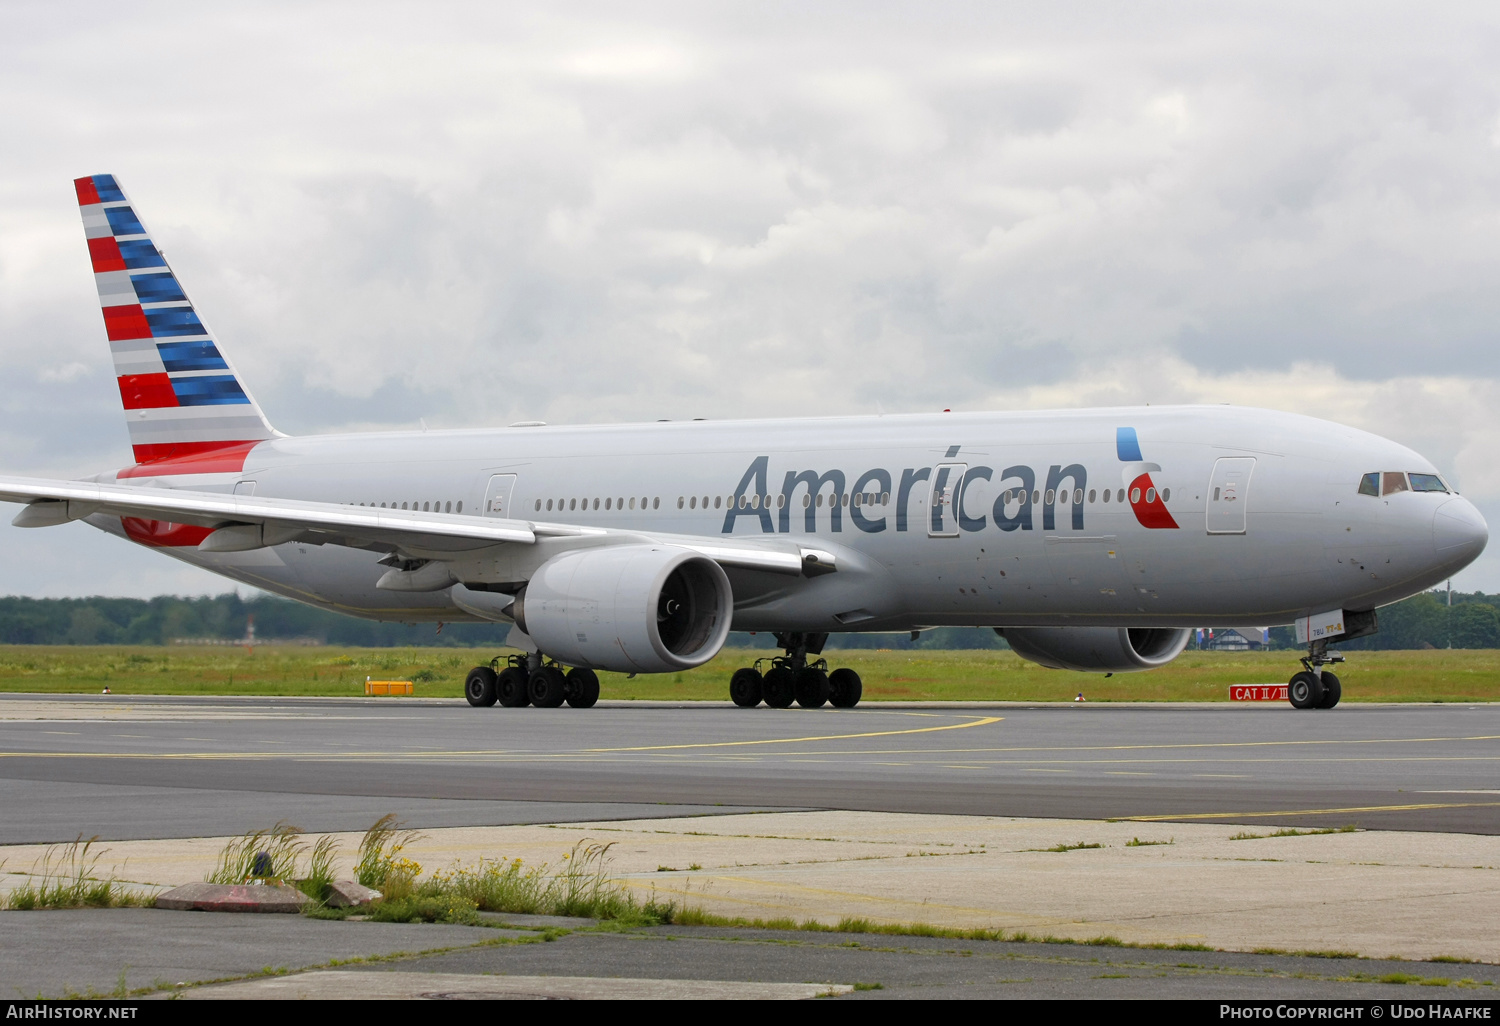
(1228, 492)
(942, 500)
(497, 496)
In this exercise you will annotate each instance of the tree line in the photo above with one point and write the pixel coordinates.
(1424, 621)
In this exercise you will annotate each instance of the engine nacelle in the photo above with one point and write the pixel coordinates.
(1097, 649)
(630, 608)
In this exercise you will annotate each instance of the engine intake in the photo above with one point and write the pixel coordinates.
(1097, 649)
(630, 608)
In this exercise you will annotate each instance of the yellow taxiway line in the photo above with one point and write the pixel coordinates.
(980, 722)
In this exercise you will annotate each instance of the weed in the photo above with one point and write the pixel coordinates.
(379, 850)
(579, 886)
(869, 986)
(65, 877)
(1067, 847)
(1136, 842)
(319, 879)
(240, 860)
(1347, 828)
(693, 867)
(1454, 959)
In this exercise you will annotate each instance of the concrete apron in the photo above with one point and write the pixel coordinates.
(1377, 893)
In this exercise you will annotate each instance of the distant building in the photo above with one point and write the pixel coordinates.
(1234, 639)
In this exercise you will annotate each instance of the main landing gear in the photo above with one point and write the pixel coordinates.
(1315, 687)
(529, 679)
(792, 678)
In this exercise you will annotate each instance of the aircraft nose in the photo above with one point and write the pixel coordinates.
(1459, 533)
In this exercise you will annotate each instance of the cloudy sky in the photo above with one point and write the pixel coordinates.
(474, 214)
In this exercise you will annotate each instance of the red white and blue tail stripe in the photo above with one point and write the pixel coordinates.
(188, 411)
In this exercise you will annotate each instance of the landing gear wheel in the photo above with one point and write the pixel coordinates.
(811, 687)
(1304, 690)
(1332, 691)
(479, 686)
(845, 688)
(511, 688)
(778, 688)
(745, 687)
(582, 690)
(547, 687)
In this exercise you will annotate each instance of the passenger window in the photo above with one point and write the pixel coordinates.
(460, 505)
(1166, 495)
(632, 502)
(1135, 496)
(1216, 495)
(1108, 495)
(1392, 481)
(1150, 494)
(1050, 496)
(806, 501)
(403, 505)
(693, 502)
(1369, 484)
(656, 503)
(1427, 483)
(718, 499)
(1093, 495)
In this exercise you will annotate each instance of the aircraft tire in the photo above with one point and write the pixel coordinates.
(745, 687)
(511, 688)
(1304, 690)
(1332, 691)
(583, 688)
(845, 688)
(479, 686)
(778, 689)
(811, 687)
(547, 687)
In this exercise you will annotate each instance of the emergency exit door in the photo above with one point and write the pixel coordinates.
(497, 496)
(942, 500)
(1229, 494)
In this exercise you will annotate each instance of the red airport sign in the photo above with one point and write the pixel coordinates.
(1257, 692)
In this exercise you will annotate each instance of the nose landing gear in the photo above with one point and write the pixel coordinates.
(793, 678)
(1315, 687)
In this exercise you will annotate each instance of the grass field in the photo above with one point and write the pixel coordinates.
(1439, 675)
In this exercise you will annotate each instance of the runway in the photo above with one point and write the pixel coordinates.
(130, 767)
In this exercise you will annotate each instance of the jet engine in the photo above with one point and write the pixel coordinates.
(630, 608)
(1097, 649)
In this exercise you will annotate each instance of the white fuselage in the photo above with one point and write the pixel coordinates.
(949, 538)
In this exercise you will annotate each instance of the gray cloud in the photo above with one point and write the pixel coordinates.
(474, 214)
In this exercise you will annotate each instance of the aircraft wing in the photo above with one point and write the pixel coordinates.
(243, 522)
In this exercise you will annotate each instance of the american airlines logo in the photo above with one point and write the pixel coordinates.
(878, 500)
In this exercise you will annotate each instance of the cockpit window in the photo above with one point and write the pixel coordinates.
(1392, 481)
(1369, 484)
(1427, 483)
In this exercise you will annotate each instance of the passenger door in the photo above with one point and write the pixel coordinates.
(942, 500)
(497, 496)
(1228, 493)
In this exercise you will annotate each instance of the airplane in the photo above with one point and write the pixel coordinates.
(1091, 540)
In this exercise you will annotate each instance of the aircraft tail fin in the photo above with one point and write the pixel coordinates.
(187, 408)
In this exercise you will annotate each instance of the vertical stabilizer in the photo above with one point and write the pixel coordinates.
(188, 411)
